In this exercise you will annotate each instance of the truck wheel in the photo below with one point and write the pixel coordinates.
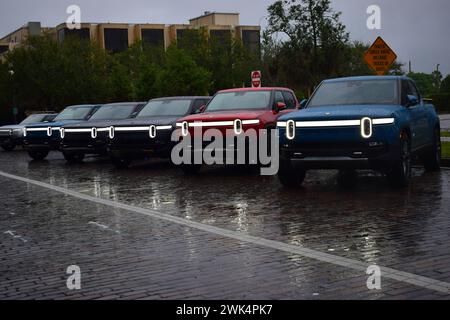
(190, 169)
(73, 157)
(120, 163)
(38, 155)
(400, 173)
(289, 176)
(432, 160)
(8, 147)
(347, 178)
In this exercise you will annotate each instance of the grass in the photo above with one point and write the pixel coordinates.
(445, 133)
(446, 150)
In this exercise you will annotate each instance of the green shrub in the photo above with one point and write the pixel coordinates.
(442, 102)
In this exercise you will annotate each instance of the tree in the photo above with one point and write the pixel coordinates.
(37, 73)
(136, 71)
(229, 62)
(51, 75)
(424, 81)
(5, 93)
(316, 39)
(181, 76)
(437, 79)
(445, 85)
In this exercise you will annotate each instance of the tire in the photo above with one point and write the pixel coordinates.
(73, 157)
(432, 160)
(190, 169)
(8, 147)
(120, 163)
(347, 178)
(289, 176)
(399, 175)
(38, 155)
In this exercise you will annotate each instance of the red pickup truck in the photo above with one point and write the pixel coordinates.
(235, 111)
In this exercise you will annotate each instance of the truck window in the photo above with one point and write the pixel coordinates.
(414, 90)
(408, 88)
(279, 97)
(289, 99)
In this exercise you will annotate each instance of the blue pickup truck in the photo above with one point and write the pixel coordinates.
(371, 122)
(40, 139)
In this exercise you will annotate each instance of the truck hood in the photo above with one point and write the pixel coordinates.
(225, 115)
(89, 124)
(343, 112)
(12, 126)
(54, 124)
(164, 120)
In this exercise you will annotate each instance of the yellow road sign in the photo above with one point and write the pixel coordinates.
(380, 57)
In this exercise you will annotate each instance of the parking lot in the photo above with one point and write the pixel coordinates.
(150, 232)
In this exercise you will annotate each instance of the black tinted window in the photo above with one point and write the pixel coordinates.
(74, 113)
(116, 40)
(198, 104)
(113, 112)
(289, 100)
(153, 37)
(154, 108)
(33, 119)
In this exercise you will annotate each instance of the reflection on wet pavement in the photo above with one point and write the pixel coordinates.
(405, 229)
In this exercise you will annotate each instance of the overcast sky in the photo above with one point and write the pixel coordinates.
(418, 30)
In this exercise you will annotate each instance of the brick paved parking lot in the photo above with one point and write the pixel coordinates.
(152, 233)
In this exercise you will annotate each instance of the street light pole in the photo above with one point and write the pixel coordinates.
(14, 108)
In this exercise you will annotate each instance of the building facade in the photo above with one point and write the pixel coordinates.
(117, 37)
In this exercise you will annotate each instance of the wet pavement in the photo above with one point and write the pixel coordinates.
(227, 233)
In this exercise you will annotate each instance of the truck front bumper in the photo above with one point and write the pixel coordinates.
(379, 157)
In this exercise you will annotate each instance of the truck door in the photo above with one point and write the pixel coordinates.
(417, 114)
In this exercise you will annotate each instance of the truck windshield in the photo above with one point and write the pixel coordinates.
(113, 112)
(33, 119)
(74, 113)
(240, 100)
(155, 108)
(355, 92)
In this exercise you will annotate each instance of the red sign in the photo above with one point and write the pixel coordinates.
(256, 79)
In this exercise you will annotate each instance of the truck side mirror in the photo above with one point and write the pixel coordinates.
(411, 101)
(279, 106)
(201, 109)
(303, 103)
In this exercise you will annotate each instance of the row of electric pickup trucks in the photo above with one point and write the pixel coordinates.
(372, 122)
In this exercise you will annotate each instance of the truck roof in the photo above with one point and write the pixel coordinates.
(361, 78)
(254, 89)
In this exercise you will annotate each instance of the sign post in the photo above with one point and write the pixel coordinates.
(380, 57)
(256, 79)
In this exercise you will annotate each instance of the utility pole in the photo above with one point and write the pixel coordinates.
(409, 66)
(14, 108)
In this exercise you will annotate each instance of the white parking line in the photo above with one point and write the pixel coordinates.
(15, 236)
(103, 226)
(357, 265)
